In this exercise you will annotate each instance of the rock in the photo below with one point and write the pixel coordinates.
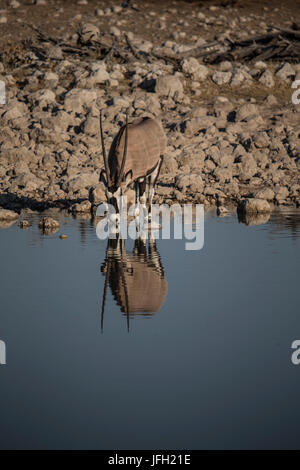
(201, 73)
(221, 78)
(78, 98)
(169, 85)
(261, 140)
(13, 3)
(114, 31)
(8, 215)
(63, 236)
(192, 68)
(285, 72)
(51, 79)
(99, 74)
(281, 193)
(189, 182)
(260, 65)
(237, 78)
(91, 126)
(222, 211)
(265, 193)
(225, 66)
(253, 206)
(84, 206)
(24, 224)
(84, 180)
(3, 19)
(42, 98)
(89, 32)
(55, 52)
(98, 194)
(271, 100)
(48, 223)
(267, 79)
(223, 175)
(169, 166)
(246, 111)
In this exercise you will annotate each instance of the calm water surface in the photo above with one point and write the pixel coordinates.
(194, 353)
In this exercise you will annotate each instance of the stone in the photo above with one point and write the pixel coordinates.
(89, 32)
(82, 181)
(191, 67)
(285, 72)
(48, 223)
(42, 98)
(99, 74)
(84, 206)
(265, 193)
(168, 85)
(281, 193)
(191, 182)
(98, 194)
(267, 79)
(24, 224)
(78, 98)
(91, 126)
(247, 206)
(8, 215)
(261, 140)
(246, 111)
(221, 78)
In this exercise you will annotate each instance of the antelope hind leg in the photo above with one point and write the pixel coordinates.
(152, 183)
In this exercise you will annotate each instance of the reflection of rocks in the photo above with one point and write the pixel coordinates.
(136, 279)
(6, 223)
(7, 215)
(254, 219)
(48, 225)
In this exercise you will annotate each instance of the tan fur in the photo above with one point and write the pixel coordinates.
(146, 143)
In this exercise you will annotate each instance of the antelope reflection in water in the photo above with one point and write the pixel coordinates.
(137, 280)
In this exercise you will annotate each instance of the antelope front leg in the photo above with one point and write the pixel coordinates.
(143, 198)
(137, 193)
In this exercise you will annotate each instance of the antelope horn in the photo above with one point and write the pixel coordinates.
(104, 153)
(125, 151)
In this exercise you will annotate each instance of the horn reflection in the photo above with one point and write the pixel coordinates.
(136, 279)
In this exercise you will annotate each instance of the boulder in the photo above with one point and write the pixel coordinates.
(7, 215)
(169, 85)
(253, 206)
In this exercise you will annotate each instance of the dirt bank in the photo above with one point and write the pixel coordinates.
(233, 131)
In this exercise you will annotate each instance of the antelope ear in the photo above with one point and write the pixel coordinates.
(102, 178)
(128, 177)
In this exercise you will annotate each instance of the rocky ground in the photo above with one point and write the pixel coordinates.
(233, 131)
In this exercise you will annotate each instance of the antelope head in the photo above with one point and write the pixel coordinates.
(112, 177)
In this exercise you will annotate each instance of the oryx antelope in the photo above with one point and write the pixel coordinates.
(137, 280)
(135, 156)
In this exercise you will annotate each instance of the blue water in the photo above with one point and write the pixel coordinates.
(211, 369)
